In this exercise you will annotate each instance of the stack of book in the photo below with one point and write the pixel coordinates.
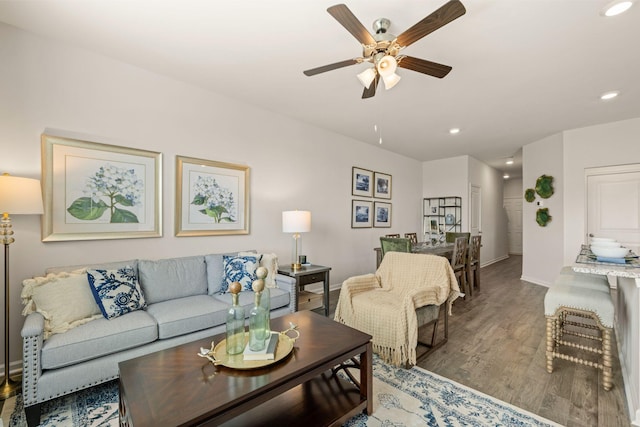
(269, 351)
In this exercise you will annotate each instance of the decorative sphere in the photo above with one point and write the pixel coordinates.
(257, 285)
(235, 287)
(261, 272)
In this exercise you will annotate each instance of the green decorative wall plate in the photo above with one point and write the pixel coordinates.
(530, 195)
(543, 217)
(544, 186)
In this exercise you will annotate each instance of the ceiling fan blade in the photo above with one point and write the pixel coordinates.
(423, 66)
(448, 12)
(329, 67)
(370, 91)
(348, 20)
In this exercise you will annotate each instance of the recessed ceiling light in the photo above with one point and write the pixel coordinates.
(454, 131)
(609, 95)
(509, 161)
(505, 176)
(617, 7)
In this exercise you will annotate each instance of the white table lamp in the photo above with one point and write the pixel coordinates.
(296, 222)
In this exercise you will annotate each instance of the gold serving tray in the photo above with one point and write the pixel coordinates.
(218, 353)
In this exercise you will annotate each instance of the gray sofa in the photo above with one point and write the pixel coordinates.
(183, 305)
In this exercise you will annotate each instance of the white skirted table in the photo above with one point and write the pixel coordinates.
(627, 325)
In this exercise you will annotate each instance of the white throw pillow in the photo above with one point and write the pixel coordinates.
(270, 262)
(64, 300)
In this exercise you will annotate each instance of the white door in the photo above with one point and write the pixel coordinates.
(613, 204)
(513, 209)
(475, 210)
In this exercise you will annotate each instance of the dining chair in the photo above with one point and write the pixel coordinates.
(459, 264)
(394, 244)
(451, 236)
(473, 264)
(413, 237)
(392, 235)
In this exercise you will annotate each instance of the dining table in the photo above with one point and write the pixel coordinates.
(440, 249)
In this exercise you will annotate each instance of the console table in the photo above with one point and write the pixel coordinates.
(307, 275)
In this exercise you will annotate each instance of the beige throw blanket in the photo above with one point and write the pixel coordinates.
(384, 304)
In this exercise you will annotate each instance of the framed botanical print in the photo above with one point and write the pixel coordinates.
(98, 191)
(361, 182)
(382, 214)
(212, 198)
(361, 213)
(381, 185)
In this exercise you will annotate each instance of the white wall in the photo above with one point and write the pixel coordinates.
(513, 188)
(448, 177)
(46, 85)
(542, 246)
(566, 156)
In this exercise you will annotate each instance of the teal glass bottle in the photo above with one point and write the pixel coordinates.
(257, 320)
(265, 299)
(235, 322)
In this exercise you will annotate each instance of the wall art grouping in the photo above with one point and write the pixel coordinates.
(365, 213)
(96, 191)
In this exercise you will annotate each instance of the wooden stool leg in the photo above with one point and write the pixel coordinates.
(606, 359)
(551, 326)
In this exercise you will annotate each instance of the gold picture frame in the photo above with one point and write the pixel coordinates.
(96, 191)
(212, 198)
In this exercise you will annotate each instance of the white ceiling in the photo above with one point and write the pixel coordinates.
(522, 69)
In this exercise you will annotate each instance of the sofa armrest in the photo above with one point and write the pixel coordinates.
(32, 340)
(288, 284)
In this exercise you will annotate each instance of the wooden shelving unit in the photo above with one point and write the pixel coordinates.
(442, 214)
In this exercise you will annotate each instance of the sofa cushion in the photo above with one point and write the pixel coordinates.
(117, 292)
(189, 314)
(215, 271)
(246, 299)
(99, 338)
(64, 300)
(240, 269)
(172, 278)
(270, 262)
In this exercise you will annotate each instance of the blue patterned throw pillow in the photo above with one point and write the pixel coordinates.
(239, 269)
(117, 292)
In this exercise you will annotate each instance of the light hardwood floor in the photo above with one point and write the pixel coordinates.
(497, 346)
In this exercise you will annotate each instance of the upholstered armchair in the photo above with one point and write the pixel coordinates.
(406, 292)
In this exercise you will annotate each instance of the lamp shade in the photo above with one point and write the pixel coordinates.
(20, 195)
(366, 77)
(391, 81)
(387, 65)
(296, 221)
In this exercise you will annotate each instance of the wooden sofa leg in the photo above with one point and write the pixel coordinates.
(32, 414)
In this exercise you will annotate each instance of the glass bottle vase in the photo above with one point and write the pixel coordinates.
(258, 321)
(235, 327)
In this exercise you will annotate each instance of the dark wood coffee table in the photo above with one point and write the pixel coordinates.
(175, 387)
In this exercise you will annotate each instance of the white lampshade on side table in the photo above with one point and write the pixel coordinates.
(296, 222)
(18, 196)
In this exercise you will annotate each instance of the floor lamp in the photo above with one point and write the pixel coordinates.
(17, 196)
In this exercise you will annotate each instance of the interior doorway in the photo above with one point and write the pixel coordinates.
(513, 209)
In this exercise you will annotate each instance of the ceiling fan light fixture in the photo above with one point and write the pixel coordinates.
(616, 8)
(387, 65)
(609, 95)
(366, 77)
(390, 81)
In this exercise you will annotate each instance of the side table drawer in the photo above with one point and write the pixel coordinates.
(311, 278)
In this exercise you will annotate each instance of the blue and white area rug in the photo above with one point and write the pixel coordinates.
(413, 397)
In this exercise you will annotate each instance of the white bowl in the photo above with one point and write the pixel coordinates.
(609, 252)
(602, 239)
(604, 244)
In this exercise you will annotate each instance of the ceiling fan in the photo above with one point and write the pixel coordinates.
(382, 50)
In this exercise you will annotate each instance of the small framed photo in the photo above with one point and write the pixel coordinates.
(95, 191)
(361, 182)
(382, 185)
(434, 225)
(361, 213)
(212, 198)
(382, 212)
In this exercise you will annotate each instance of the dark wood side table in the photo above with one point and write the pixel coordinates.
(307, 275)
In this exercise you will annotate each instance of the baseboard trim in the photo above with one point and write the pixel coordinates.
(535, 281)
